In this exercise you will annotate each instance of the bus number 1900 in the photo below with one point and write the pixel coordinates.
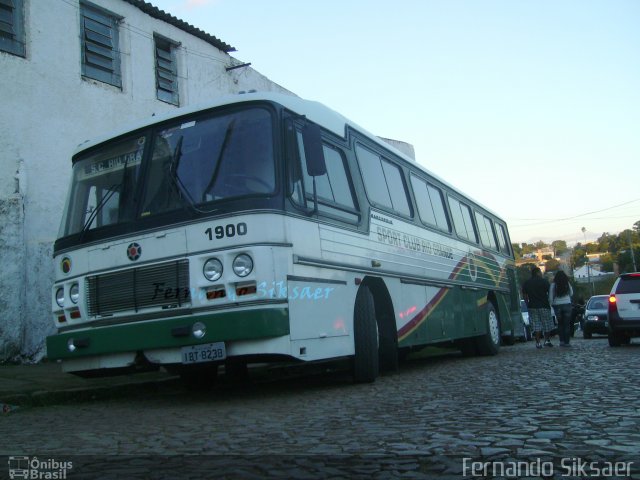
(229, 230)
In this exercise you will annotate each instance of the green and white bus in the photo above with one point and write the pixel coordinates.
(267, 228)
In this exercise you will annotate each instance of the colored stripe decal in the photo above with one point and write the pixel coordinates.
(419, 319)
(416, 321)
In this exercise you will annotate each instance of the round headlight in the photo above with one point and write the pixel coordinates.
(212, 270)
(243, 265)
(199, 329)
(70, 345)
(60, 297)
(74, 293)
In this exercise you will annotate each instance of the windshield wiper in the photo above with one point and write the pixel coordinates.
(110, 191)
(180, 188)
(223, 147)
(103, 201)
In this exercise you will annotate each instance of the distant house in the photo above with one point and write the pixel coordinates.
(582, 274)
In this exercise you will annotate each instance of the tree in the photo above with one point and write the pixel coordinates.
(528, 248)
(606, 262)
(579, 255)
(552, 265)
(523, 272)
(517, 250)
(605, 241)
(625, 261)
(540, 244)
(560, 247)
(636, 226)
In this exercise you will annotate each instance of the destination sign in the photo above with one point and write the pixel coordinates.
(110, 165)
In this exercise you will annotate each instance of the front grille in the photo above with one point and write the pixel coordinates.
(164, 285)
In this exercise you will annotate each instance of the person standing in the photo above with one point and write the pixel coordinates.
(560, 294)
(536, 294)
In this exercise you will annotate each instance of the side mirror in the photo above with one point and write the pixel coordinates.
(313, 151)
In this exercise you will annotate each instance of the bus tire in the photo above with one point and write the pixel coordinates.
(489, 343)
(365, 336)
(388, 345)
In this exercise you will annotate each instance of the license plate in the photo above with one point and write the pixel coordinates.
(208, 352)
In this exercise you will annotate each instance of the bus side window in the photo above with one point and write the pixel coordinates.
(502, 239)
(383, 181)
(462, 221)
(335, 195)
(485, 227)
(430, 204)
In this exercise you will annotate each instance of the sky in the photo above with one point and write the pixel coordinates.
(530, 107)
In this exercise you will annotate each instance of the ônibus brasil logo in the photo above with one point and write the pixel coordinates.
(134, 250)
(33, 467)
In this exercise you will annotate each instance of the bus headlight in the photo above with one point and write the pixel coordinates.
(243, 265)
(74, 293)
(212, 270)
(199, 330)
(60, 297)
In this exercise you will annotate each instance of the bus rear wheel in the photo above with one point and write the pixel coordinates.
(365, 333)
(489, 343)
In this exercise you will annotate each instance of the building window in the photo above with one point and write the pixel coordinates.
(166, 70)
(12, 27)
(99, 39)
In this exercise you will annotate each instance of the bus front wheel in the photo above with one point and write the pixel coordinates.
(365, 332)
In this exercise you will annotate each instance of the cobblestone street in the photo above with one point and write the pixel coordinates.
(523, 404)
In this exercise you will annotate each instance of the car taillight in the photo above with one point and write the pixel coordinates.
(613, 305)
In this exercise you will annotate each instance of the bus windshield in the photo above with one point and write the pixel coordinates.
(191, 164)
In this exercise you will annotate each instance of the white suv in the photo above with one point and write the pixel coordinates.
(624, 309)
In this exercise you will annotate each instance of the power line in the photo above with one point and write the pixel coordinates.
(545, 221)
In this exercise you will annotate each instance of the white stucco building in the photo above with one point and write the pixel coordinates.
(69, 71)
(588, 272)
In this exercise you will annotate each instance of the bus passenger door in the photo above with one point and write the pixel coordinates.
(305, 162)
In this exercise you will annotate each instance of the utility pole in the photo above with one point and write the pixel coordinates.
(633, 257)
(584, 230)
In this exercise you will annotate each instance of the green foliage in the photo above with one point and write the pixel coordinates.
(579, 256)
(523, 272)
(606, 261)
(625, 260)
(552, 265)
(584, 290)
(560, 247)
(517, 250)
(614, 249)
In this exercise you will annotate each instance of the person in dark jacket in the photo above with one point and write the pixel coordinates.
(536, 294)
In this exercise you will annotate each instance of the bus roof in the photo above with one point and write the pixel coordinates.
(314, 111)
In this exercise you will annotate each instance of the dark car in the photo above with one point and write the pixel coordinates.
(624, 309)
(595, 316)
